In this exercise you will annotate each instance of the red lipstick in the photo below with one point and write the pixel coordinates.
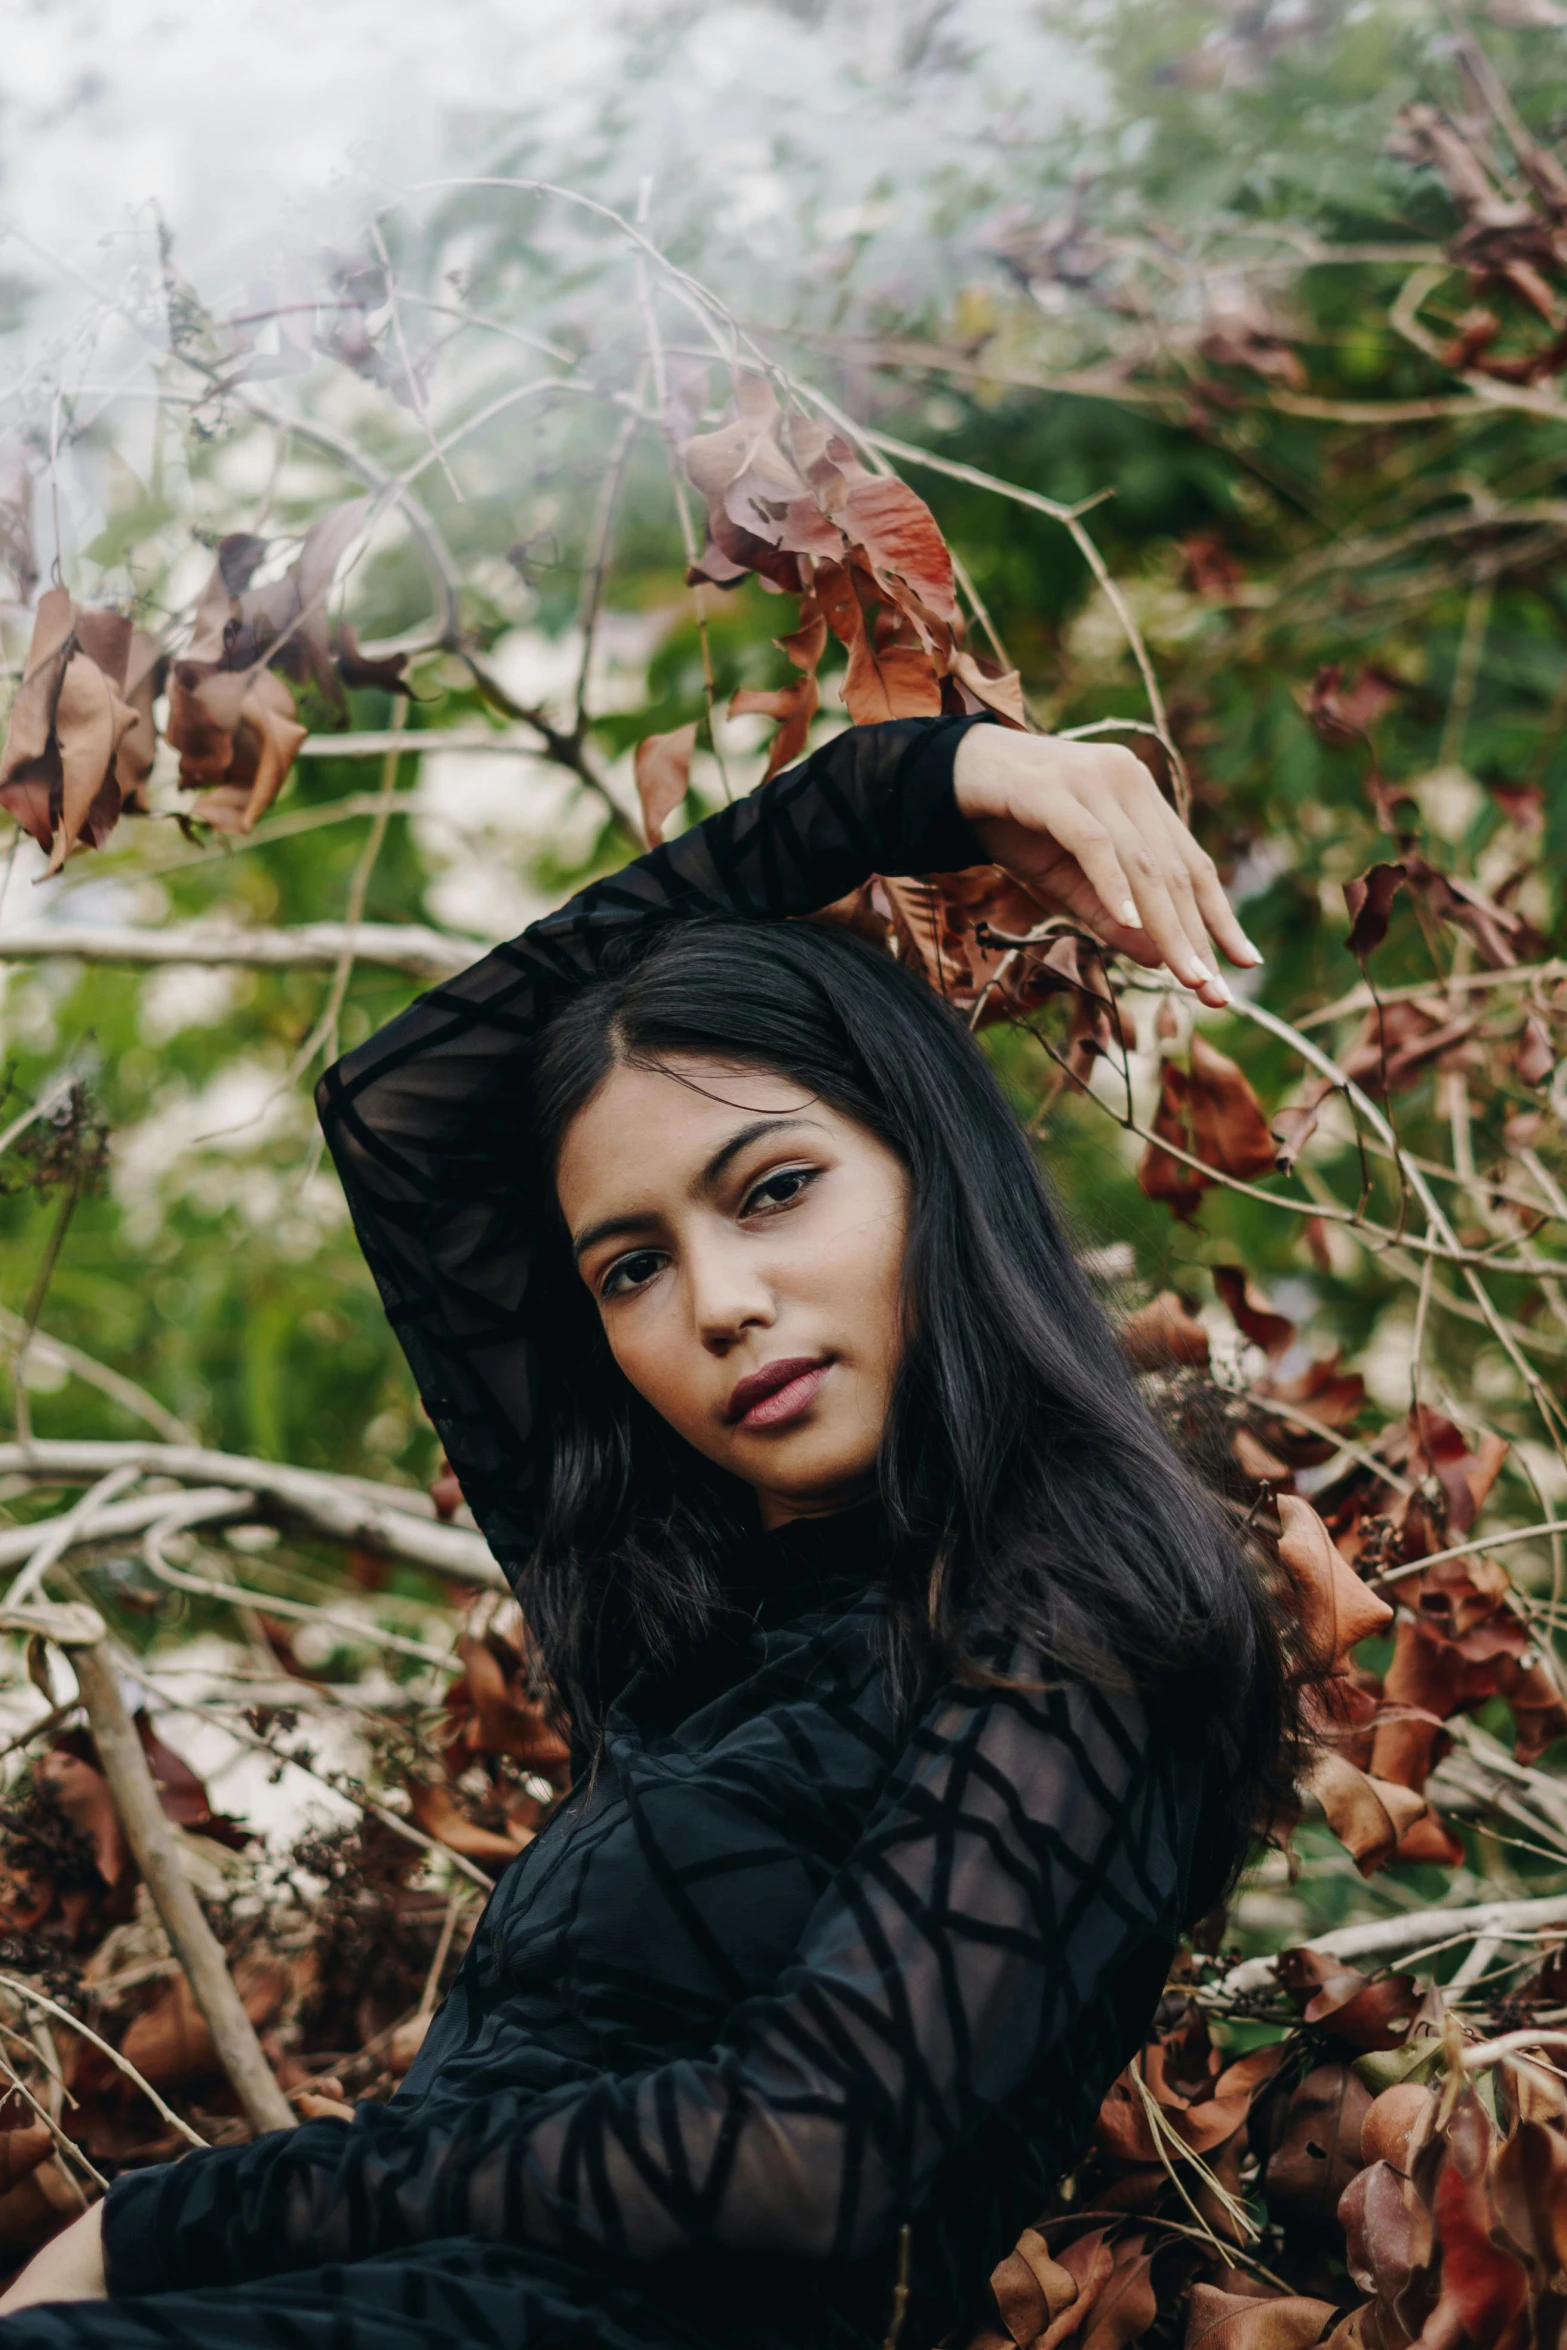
(778, 1394)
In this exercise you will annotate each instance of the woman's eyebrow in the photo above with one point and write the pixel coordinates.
(728, 1151)
(611, 1228)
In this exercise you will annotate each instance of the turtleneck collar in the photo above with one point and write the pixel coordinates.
(811, 1565)
(810, 1562)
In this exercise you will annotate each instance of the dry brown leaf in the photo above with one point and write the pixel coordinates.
(437, 1813)
(1367, 1815)
(1319, 2151)
(21, 2151)
(662, 764)
(1484, 2285)
(1253, 1316)
(1392, 2121)
(41, 2202)
(491, 1710)
(1333, 1607)
(1031, 2288)
(891, 681)
(1367, 2013)
(901, 544)
(794, 706)
(1125, 2305)
(407, 2040)
(1529, 2190)
(1209, 1110)
(1535, 1057)
(82, 1793)
(1162, 1334)
(1242, 2321)
(59, 768)
(237, 737)
(170, 2044)
(138, 749)
(1002, 692)
(806, 644)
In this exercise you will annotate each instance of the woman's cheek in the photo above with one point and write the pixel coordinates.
(649, 1356)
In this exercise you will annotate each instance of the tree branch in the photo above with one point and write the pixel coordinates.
(388, 1520)
(192, 1940)
(305, 946)
(1382, 1938)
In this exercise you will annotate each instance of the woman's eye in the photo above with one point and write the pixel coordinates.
(777, 1190)
(631, 1273)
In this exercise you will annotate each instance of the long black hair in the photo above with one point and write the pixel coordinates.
(1026, 1486)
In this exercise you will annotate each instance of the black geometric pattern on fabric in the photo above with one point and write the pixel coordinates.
(797, 1969)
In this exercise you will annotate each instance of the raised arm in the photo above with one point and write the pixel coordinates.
(426, 1121)
(1030, 1849)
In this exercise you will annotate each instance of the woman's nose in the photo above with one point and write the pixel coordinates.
(728, 1295)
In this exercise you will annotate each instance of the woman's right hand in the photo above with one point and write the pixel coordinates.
(1088, 832)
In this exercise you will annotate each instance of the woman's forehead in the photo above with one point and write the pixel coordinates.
(649, 1124)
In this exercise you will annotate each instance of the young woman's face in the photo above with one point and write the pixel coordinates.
(744, 1246)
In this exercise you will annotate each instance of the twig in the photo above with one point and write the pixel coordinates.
(1383, 1938)
(1550, 1412)
(203, 1505)
(125, 1392)
(192, 1940)
(598, 562)
(41, 1108)
(415, 387)
(63, 2144)
(648, 305)
(56, 1536)
(1464, 1550)
(243, 1735)
(156, 1855)
(1069, 518)
(323, 1037)
(305, 946)
(271, 1603)
(31, 1998)
(70, 1198)
(388, 1519)
(1361, 999)
(432, 1981)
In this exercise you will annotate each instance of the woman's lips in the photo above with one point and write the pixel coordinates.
(778, 1394)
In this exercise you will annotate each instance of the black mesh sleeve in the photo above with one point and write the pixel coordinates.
(1027, 1847)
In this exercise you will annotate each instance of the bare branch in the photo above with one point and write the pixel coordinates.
(307, 946)
(152, 1843)
(1385, 1938)
(388, 1520)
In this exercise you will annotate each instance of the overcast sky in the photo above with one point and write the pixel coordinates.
(265, 119)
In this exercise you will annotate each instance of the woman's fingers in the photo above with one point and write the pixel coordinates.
(1149, 845)
(1215, 907)
(1086, 827)
(1085, 838)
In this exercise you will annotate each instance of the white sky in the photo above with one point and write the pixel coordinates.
(260, 120)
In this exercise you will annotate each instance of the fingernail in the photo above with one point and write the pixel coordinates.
(1130, 915)
(1252, 948)
(1220, 989)
(1200, 972)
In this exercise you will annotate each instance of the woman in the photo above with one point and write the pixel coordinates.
(919, 1699)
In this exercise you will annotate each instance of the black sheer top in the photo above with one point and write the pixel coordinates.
(800, 1968)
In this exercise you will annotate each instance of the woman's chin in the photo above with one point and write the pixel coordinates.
(810, 1490)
